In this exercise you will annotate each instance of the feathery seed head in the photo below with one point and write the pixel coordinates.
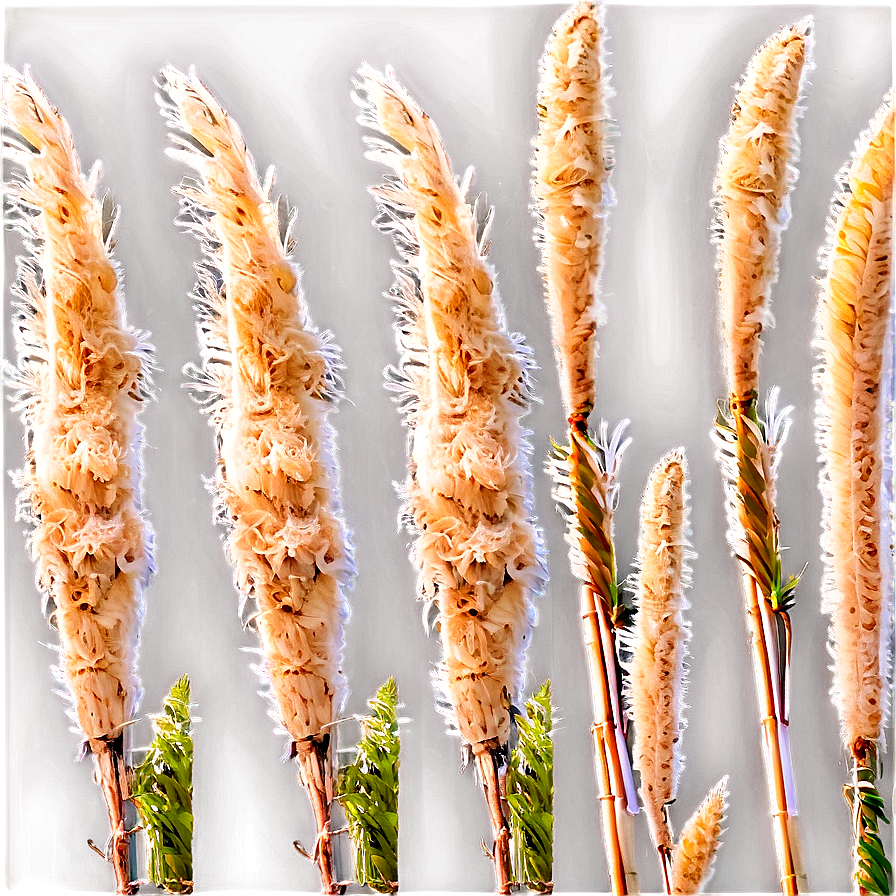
(756, 172)
(81, 380)
(855, 345)
(270, 379)
(463, 384)
(655, 685)
(699, 841)
(572, 193)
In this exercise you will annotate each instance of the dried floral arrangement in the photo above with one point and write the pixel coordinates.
(636, 645)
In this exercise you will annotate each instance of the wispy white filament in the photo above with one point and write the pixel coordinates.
(659, 641)
(271, 381)
(756, 174)
(463, 383)
(82, 379)
(572, 193)
(855, 344)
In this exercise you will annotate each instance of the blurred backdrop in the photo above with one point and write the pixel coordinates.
(285, 75)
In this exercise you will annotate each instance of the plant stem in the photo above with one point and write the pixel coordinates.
(111, 775)
(776, 740)
(612, 763)
(487, 763)
(314, 772)
(666, 865)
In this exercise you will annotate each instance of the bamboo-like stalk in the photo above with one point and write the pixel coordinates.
(270, 379)
(82, 378)
(463, 385)
(854, 429)
(572, 196)
(756, 173)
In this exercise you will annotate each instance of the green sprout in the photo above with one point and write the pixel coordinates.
(530, 793)
(368, 792)
(162, 790)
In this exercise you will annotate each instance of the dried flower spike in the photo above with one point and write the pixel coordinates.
(699, 841)
(855, 379)
(756, 173)
(572, 193)
(82, 378)
(270, 379)
(659, 643)
(464, 388)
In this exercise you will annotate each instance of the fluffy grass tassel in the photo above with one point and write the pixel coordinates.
(463, 384)
(572, 196)
(81, 380)
(855, 380)
(268, 382)
(755, 176)
(699, 841)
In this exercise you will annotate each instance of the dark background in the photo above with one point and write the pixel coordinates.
(285, 76)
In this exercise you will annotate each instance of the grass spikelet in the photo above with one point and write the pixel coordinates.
(699, 841)
(268, 381)
(368, 792)
(854, 316)
(572, 193)
(162, 790)
(655, 686)
(854, 420)
(462, 382)
(756, 173)
(81, 380)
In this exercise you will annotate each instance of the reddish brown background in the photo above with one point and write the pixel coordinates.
(284, 72)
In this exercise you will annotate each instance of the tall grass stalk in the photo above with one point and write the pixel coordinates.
(755, 176)
(81, 380)
(855, 435)
(268, 382)
(463, 385)
(572, 198)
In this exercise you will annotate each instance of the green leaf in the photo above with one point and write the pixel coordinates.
(368, 792)
(163, 793)
(530, 792)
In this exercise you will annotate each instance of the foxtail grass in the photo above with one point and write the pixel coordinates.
(462, 382)
(854, 427)
(756, 173)
(572, 197)
(268, 382)
(81, 380)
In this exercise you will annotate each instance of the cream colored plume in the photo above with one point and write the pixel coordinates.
(855, 333)
(572, 193)
(82, 379)
(756, 173)
(659, 640)
(699, 841)
(271, 380)
(464, 386)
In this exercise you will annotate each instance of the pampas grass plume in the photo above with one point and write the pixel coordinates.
(572, 193)
(855, 332)
(463, 381)
(756, 173)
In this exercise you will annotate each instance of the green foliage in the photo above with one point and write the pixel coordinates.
(747, 450)
(163, 793)
(368, 792)
(530, 793)
(872, 868)
(584, 473)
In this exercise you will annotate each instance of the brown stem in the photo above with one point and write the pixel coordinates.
(611, 777)
(666, 865)
(314, 772)
(487, 763)
(111, 775)
(783, 815)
